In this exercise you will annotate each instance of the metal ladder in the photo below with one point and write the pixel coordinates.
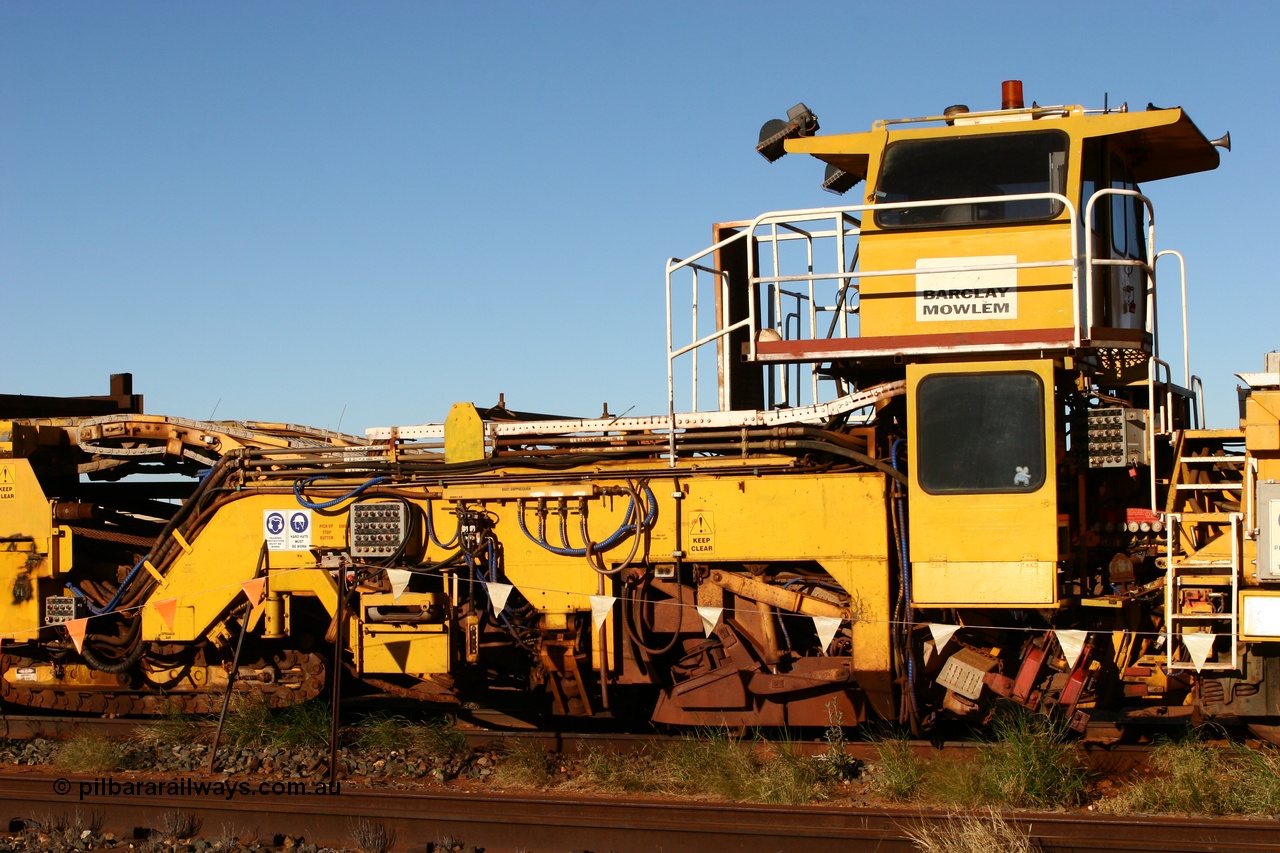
(1205, 515)
(1202, 592)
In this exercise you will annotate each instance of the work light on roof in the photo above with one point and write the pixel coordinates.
(800, 122)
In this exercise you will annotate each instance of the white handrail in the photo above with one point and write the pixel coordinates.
(1091, 261)
(1186, 351)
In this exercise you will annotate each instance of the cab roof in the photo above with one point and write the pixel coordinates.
(1158, 143)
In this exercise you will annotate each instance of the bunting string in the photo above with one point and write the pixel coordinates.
(1198, 645)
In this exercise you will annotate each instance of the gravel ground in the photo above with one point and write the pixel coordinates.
(386, 768)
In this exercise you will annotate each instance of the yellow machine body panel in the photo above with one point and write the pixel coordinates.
(982, 487)
(33, 550)
(227, 550)
(837, 520)
(399, 648)
(987, 297)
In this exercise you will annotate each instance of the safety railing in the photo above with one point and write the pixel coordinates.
(825, 294)
(803, 283)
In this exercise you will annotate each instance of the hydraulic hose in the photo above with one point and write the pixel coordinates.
(123, 665)
(632, 524)
(301, 484)
(904, 571)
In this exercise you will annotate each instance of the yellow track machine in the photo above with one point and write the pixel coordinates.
(940, 463)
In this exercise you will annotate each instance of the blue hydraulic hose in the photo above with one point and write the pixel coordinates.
(905, 566)
(299, 485)
(115, 599)
(618, 535)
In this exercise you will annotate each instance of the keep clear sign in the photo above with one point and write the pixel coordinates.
(702, 532)
(287, 529)
(971, 294)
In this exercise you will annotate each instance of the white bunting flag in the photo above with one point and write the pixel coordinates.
(826, 626)
(710, 618)
(942, 634)
(1199, 646)
(600, 607)
(399, 580)
(1072, 643)
(498, 593)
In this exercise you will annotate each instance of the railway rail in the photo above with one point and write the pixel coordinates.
(500, 822)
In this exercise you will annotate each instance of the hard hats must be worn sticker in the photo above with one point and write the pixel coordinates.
(287, 529)
(8, 480)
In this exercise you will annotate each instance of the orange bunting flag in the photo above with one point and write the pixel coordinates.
(253, 590)
(167, 610)
(76, 628)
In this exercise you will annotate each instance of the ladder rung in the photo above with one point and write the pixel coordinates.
(1206, 516)
(1201, 617)
(1216, 487)
(1207, 666)
(1213, 434)
(1234, 460)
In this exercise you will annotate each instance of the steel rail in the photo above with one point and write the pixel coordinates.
(540, 822)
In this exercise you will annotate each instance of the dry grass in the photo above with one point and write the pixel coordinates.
(1029, 764)
(179, 824)
(1196, 778)
(251, 724)
(524, 764)
(87, 752)
(370, 837)
(437, 737)
(986, 832)
(898, 770)
(713, 765)
(174, 727)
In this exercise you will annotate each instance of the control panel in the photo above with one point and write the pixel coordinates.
(377, 528)
(1117, 438)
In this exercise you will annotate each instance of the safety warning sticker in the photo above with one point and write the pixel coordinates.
(702, 532)
(8, 485)
(287, 529)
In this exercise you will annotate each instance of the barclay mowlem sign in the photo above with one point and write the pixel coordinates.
(971, 294)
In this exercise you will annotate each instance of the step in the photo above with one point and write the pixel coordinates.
(1208, 667)
(1209, 487)
(1234, 460)
(1193, 517)
(1203, 580)
(1212, 434)
(1202, 617)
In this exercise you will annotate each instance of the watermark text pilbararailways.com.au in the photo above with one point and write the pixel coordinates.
(106, 786)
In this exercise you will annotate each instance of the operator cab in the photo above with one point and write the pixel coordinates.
(1001, 265)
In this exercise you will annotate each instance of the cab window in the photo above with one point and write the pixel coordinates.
(980, 432)
(970, 167)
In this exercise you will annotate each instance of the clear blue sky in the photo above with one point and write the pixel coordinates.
(296, 208)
